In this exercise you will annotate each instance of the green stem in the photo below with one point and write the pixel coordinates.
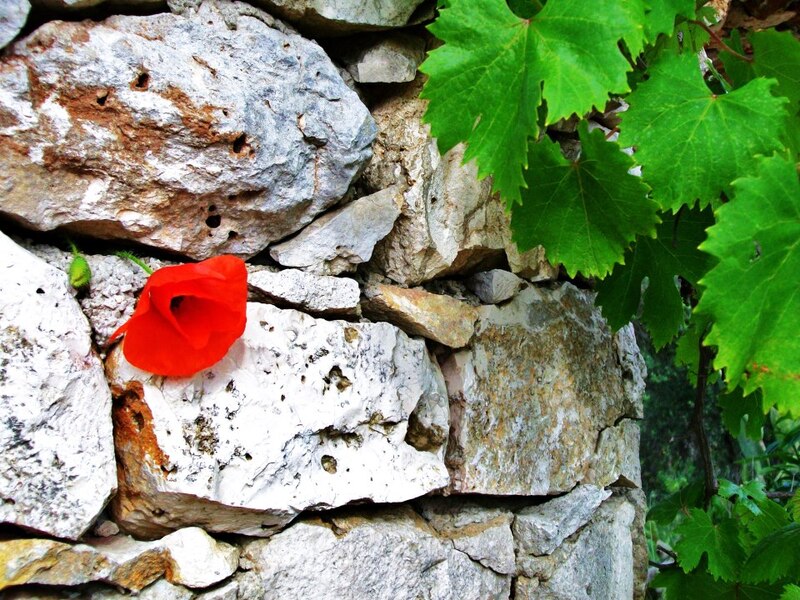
(135, 260)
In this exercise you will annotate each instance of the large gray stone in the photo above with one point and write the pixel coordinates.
(316, 294)
(450, 223)
(302, 414)
(390, 58)
(176, 132)
(57, 468)
(13, 14)
(532, 394)
(344, 16)
(341, 240)
(388, 555)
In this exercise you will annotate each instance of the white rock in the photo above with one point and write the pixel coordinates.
(301, 414)
(391, 58)
(341, 240)
(188, 557)
(391, 555)
(316, 294)
(597, 564)
(451, 223)
(530, 397)
(495, 286)
(176, 132)
(343, 16)
(542, 528)
(13, 14)
(57, 468)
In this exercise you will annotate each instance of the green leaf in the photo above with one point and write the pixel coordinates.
(776, 556)
(794, 506)
(770, 518)
(752, 294)
(584, 212)
(689, 496)
(673, 252)
(699, 585)
(661, 14)
(746, 495)
(488, 80)
(791, 592)
(692, 143)
(738, 410)
(776, 54)
(720, 541)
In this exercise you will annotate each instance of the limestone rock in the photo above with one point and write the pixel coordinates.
(392, 58)
(316, 294)
(541, 529)
(450, 223)
(341, 240)
(634, 371)
(495, 286)
(617, 456)
(484, 534)
(13, 14)
(187, 557)
(389, 555)
(597, 563)
(344, 16)
(531, 395)
(440, 318)
(159, 129)
(57, 468)
(302, 414)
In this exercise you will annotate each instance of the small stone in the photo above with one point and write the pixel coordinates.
(187, 557)
(540, 529)
(315, 294)
(302, 414)
(57, 468)
(13, 14)
(339, 241)
(495, 286)
(417, 312)
(391, 58)
(105, 528)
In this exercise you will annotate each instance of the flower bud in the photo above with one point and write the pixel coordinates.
(79, 272)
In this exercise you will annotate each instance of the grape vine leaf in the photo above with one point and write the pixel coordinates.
(771, 518)
(776, 54)
(752, 295)
(794, 506)
(775, 556)
(660, 16)
(791, 592)
(488, 80)
(747, 495)
(689, 496)
(720, 541)
(699, 585)
(738, 410)
(584, 212)
(692, 143)
(672, 252)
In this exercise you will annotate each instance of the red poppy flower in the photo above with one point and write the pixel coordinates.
(187, 317)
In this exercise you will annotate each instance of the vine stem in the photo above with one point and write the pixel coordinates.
(711, 484)
(135, 260)
(718, 40)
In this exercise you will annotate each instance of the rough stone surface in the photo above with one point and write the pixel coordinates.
(634, 371)
(450, 222)
(541, 529)
(531, 396)
(597, 563)
(344, 16)
(301, 414)
(341, 240)
(437, 317)
(187, 557)
(484, 534)
(13, 14)
(495, 286)
(316, 294)
(391, 555)
(176, 132)
(57, 467)
(617, 456)
(386, 59)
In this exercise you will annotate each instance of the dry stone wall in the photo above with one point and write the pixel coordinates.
(415, 409)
